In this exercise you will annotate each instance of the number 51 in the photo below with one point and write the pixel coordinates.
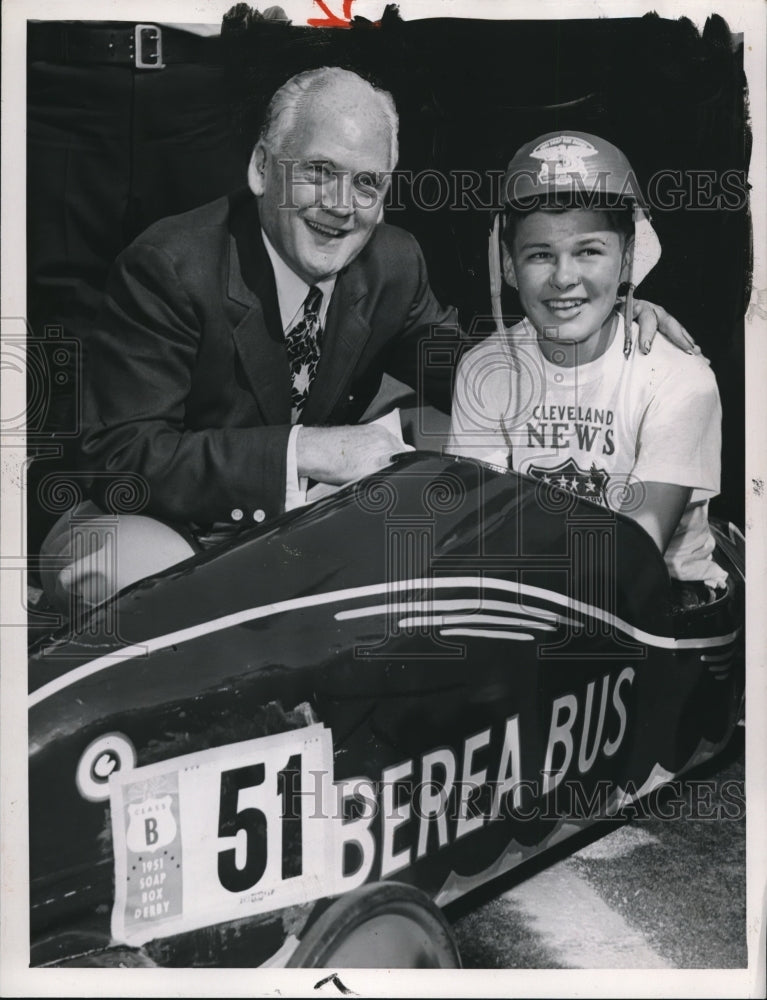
(253, 822)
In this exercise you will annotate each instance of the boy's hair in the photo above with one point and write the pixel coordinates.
(620, 217)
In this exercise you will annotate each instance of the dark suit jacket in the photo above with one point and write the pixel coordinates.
(188, 382)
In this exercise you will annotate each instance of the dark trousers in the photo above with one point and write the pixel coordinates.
(110, 149)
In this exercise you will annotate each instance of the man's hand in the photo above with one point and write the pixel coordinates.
(651, 319)
(339, 455)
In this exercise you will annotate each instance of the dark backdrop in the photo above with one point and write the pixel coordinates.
(469, 92)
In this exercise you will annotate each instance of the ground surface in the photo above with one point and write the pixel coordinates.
(652, 893)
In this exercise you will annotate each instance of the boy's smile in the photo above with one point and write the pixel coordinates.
(567, 266)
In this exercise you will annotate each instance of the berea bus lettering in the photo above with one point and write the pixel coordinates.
(418, 805)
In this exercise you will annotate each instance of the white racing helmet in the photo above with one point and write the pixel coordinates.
(575, 168)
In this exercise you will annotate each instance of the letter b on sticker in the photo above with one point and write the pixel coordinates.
(151, 825)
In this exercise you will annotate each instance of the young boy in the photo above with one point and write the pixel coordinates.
(563, 396)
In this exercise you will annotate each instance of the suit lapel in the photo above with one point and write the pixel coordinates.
(257, 334)
(346, 333)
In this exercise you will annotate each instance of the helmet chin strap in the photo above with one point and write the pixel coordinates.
(496, 281)
(628, 315)
(628, 309)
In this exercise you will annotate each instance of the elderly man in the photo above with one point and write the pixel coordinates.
(240, 344)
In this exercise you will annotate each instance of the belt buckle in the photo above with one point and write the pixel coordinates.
(151, 58)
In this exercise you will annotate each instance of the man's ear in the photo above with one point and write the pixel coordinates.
(257, 169)
(628, 250)
(509, 275)
(382, 195)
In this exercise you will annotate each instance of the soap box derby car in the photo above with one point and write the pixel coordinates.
(298, 748)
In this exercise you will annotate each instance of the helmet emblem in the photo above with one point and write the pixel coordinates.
(562, 158)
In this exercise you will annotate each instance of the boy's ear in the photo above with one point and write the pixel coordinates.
(508, 267)
(628, 250)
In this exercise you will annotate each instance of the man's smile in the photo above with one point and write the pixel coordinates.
(330, 231)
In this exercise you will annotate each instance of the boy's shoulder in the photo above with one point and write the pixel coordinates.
(665, 361)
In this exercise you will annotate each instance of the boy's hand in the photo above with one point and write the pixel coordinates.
(651, 319)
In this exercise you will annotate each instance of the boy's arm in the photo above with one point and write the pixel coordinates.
(678, 450)
(660, 511)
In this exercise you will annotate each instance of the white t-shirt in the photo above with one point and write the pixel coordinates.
(598, 428)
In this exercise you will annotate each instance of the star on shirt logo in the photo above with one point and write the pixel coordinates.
(571, 477)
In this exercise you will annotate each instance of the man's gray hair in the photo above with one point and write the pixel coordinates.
(285, 107)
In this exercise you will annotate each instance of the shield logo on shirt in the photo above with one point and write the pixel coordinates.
(591, 484)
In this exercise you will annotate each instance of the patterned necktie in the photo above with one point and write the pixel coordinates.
(302, 345)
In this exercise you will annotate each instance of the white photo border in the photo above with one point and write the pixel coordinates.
(16, 979)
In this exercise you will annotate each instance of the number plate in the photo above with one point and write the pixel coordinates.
(222, 834)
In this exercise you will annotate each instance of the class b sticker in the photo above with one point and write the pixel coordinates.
(152, 824)
(217, 835)
(152, 884)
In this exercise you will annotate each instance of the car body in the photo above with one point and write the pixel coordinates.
(424, 680)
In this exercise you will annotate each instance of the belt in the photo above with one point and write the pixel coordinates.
(118, 43)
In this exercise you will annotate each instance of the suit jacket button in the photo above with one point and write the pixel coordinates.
(259, 515)
(351, 398)
(237, 514)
